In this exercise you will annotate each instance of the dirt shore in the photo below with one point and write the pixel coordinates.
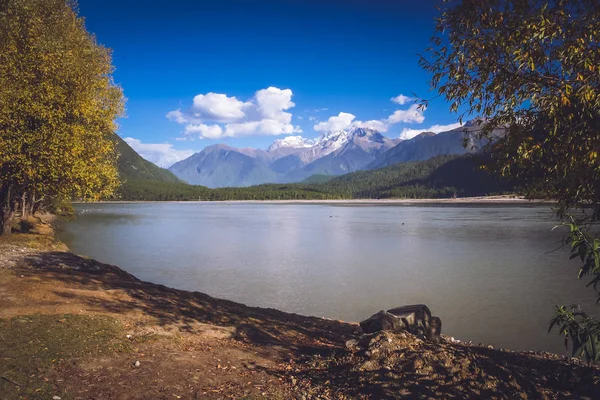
(75, 328)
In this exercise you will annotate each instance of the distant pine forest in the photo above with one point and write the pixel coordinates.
(439, 177)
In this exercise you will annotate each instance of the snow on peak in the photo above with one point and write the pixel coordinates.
(362, 131)
(294, 142)
(333, 140)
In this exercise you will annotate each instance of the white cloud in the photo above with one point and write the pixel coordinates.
(345, 120)
(341, 121)
(311, 118)
(412, 115)
(374, 124)
(401, 99)
(161, 154)
(262, 127)
(272, 101)
(218, 107)
(411, 133)
(264, 114)
(177, 116)
(205, 131)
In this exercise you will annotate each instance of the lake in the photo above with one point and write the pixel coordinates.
(488, 271)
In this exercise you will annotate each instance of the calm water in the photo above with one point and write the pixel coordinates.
(487, 271)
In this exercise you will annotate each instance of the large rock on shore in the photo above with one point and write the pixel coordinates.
(415, 319)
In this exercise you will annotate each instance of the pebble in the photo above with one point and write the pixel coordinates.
(136, 364)
(55, 398)
(128, 336)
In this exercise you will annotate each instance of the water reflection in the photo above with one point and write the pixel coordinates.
(485, 270)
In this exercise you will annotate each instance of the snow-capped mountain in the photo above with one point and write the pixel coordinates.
(295, 158)
(342, 152)
(289, 145)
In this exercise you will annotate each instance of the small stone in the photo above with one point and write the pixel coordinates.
(128, 336)
(489, 346)
(136, 364)
(55, 398)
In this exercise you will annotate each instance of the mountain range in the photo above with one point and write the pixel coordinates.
(294, 158)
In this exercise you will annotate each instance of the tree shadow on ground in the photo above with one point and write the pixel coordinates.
(401, 367)
(259, 326)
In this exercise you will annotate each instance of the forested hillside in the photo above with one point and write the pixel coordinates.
(132, 167)
(439, 177)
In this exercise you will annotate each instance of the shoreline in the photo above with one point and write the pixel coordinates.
(478, 200)
(149, 339)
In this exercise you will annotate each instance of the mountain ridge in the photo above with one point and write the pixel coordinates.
(294, 158)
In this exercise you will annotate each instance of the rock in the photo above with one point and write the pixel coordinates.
(128, 336)
(435, 329)
(351, 344)
(136, 364)
(55, 398)
(415, 319)
(382, 321)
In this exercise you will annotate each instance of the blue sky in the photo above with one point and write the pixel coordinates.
(245, 73)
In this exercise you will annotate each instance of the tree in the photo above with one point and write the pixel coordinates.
(58, 105)
(532, 68)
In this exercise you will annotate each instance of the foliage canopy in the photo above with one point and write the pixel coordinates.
(532, 68)
(58, 104)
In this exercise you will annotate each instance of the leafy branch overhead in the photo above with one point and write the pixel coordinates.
(532, 69)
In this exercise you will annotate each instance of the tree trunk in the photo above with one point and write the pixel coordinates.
(24, 208)
(32, 204)
(7, 210)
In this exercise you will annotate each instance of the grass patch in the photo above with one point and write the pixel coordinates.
(33, 347)
(33, 241)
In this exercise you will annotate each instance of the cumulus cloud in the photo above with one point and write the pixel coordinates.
(411, 133)
(263, 127)
(264, 114)
(401, 99)
(374, 124)
(218, 107)
(412, 115)
(205, 131)
(337, 122)
(177, 116)
(161, 154)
